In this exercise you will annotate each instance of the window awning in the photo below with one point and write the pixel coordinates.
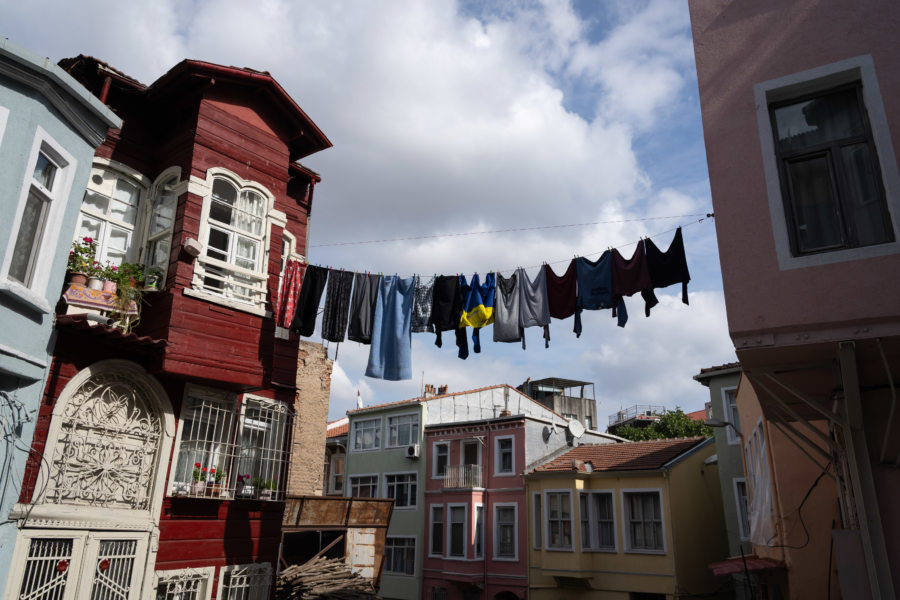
(735, 564)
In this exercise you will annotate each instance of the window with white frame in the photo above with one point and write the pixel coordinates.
(504, 462)
(759, 490)
(363, 486)
(245, 582)
(537, 520)
(235, 228)
(505, 531)
(336, 473)
(437, 530)
(226, 449)
(366, 434)
(479, 531)
(559, 520)
(400, 555)
(402, 488)
(36, 221)
(598, 521)
(160, 224)
(109, 212)
(740, 501)
(456, 527)
(403, 430)
(729, 403)
(184, 584)
(643, 516)
(441, 459)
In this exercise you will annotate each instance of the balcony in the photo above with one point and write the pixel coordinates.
(640, 412)
(462, 476)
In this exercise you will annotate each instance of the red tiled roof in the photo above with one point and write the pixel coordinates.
(731, 365)
(337, 431)
(628, 456)
(697, 415)
(80, 322)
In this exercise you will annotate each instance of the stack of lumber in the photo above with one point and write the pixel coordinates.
(322, 578)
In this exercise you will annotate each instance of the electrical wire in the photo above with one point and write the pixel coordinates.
(800, 515)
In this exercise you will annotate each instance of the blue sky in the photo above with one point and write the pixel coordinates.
(452, 117)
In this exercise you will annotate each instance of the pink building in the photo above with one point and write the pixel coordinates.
(801, 116)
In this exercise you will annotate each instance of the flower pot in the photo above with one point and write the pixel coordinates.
(151, 281)
(109, 287)
(214, 490)
(265, 494)
(95, 283)
(198, 488)
(77, 278)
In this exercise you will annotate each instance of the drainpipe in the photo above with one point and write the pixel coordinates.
(104, 91)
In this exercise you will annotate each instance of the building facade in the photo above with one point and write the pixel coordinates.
(50, 126)
(801, 118)
(571, 398)
(160, 455)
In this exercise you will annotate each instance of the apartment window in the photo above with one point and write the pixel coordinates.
(479, 531)
(109, 213)
(364, 486)
(537, 520)
(184, 584)
(336, 473)
(505, 463)
(441, 459)
(160, 223)
(437, 530)
(589, 423)
(570, 416)
(729, 400)
(438, 593)
(559, 520)
(643, 514)
(402, 488)
(227, 449)
(597, 521)
(245, 582)
(403, 430)
(367, 434)
(235, 233)
(400, 555)
(505, 531)
(457, 531)
(743, 515)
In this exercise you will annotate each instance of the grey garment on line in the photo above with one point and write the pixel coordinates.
(534, 304)
(506, 310)
(362, 307)
(424, 297)
(337, 305)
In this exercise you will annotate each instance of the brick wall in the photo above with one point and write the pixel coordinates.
(308, 440)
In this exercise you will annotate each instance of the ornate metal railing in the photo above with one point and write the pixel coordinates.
(463, 476)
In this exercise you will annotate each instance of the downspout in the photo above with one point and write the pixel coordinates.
(104, 91)
(309, 201)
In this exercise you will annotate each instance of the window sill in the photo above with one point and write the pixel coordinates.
(657, 552)
(505, 559)
(223, 301)
(365, 449)
(24, 296)
(560, 549)
(601, 550)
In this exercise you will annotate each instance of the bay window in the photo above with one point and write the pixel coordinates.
(109, 213)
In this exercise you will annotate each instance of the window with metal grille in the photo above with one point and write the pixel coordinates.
(183, 584)
(46, 569)
(400, 555)
(364, 486)
(644, 518)
(403, 430)
(402, 488)
(245, 582)
(113, 570)
(228, 452)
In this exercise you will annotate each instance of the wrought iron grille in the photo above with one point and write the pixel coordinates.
(182, 585)
(46, 569)
(246, 582)
(113, 570)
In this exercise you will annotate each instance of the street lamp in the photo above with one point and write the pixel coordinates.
(719, 423)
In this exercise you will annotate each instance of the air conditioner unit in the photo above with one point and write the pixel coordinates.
(412, 451)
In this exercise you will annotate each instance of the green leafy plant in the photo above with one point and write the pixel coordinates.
(129, 289)
(673, 424)
(110, 272)
(82, 256)
(199, 473)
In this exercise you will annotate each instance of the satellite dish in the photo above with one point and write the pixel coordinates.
(574, 442)
(546, 434)
(576, 428)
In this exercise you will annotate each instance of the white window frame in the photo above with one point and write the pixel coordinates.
(743, 532)
(465, 531)
(571, 547)
(822, 78)
(729, 396)
(594, 521)
(257, 278)
(351, 483)
(411, 497)
(34, 294)
(478, 535)
(434, 460)
(626, 519)
(179, 189)
(332, 478)
(515, 507)
(393, 430)
(204, 575)
(414, 547)
(537, 520)
(498, 458)
(355, 425)
(431, 523)
(258, 592)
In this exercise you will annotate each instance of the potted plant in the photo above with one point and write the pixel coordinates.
(129, 292)
(220, 482)
(110, 277)
(95, 276)
(153, 279)
(198, 486)
(265, 487)
(244, 488)
(81, 260)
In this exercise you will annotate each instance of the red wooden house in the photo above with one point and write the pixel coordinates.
(159, 459)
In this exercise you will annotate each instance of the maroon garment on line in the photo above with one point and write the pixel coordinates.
(561, 291)
(631, 276)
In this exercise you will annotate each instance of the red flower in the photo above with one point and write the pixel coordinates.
(203, 469)
(212, 470)
(88, 240)
(197, 465)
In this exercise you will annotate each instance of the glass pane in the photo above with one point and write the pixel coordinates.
(117, 245)
(28, 239)
(158, 253)
(865, 202)
(124, 204)
(816, 221)
(88, 227)
(44, 171)
(820, 120)
(246, 253)
(224, 196)
(163, 214)
(217, 244)
(95, 201)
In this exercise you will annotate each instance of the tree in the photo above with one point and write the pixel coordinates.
(673, 424)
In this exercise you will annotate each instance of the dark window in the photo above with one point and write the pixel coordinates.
(829, 172)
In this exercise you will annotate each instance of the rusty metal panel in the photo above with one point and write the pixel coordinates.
(323, 512)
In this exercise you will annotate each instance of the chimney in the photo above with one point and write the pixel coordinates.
(442, 390)
(429, 391)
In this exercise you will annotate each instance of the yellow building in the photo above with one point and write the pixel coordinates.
(639, 520)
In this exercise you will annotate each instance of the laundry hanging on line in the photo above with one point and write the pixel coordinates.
(385, 311)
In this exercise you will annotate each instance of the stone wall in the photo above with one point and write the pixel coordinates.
(311, 405)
